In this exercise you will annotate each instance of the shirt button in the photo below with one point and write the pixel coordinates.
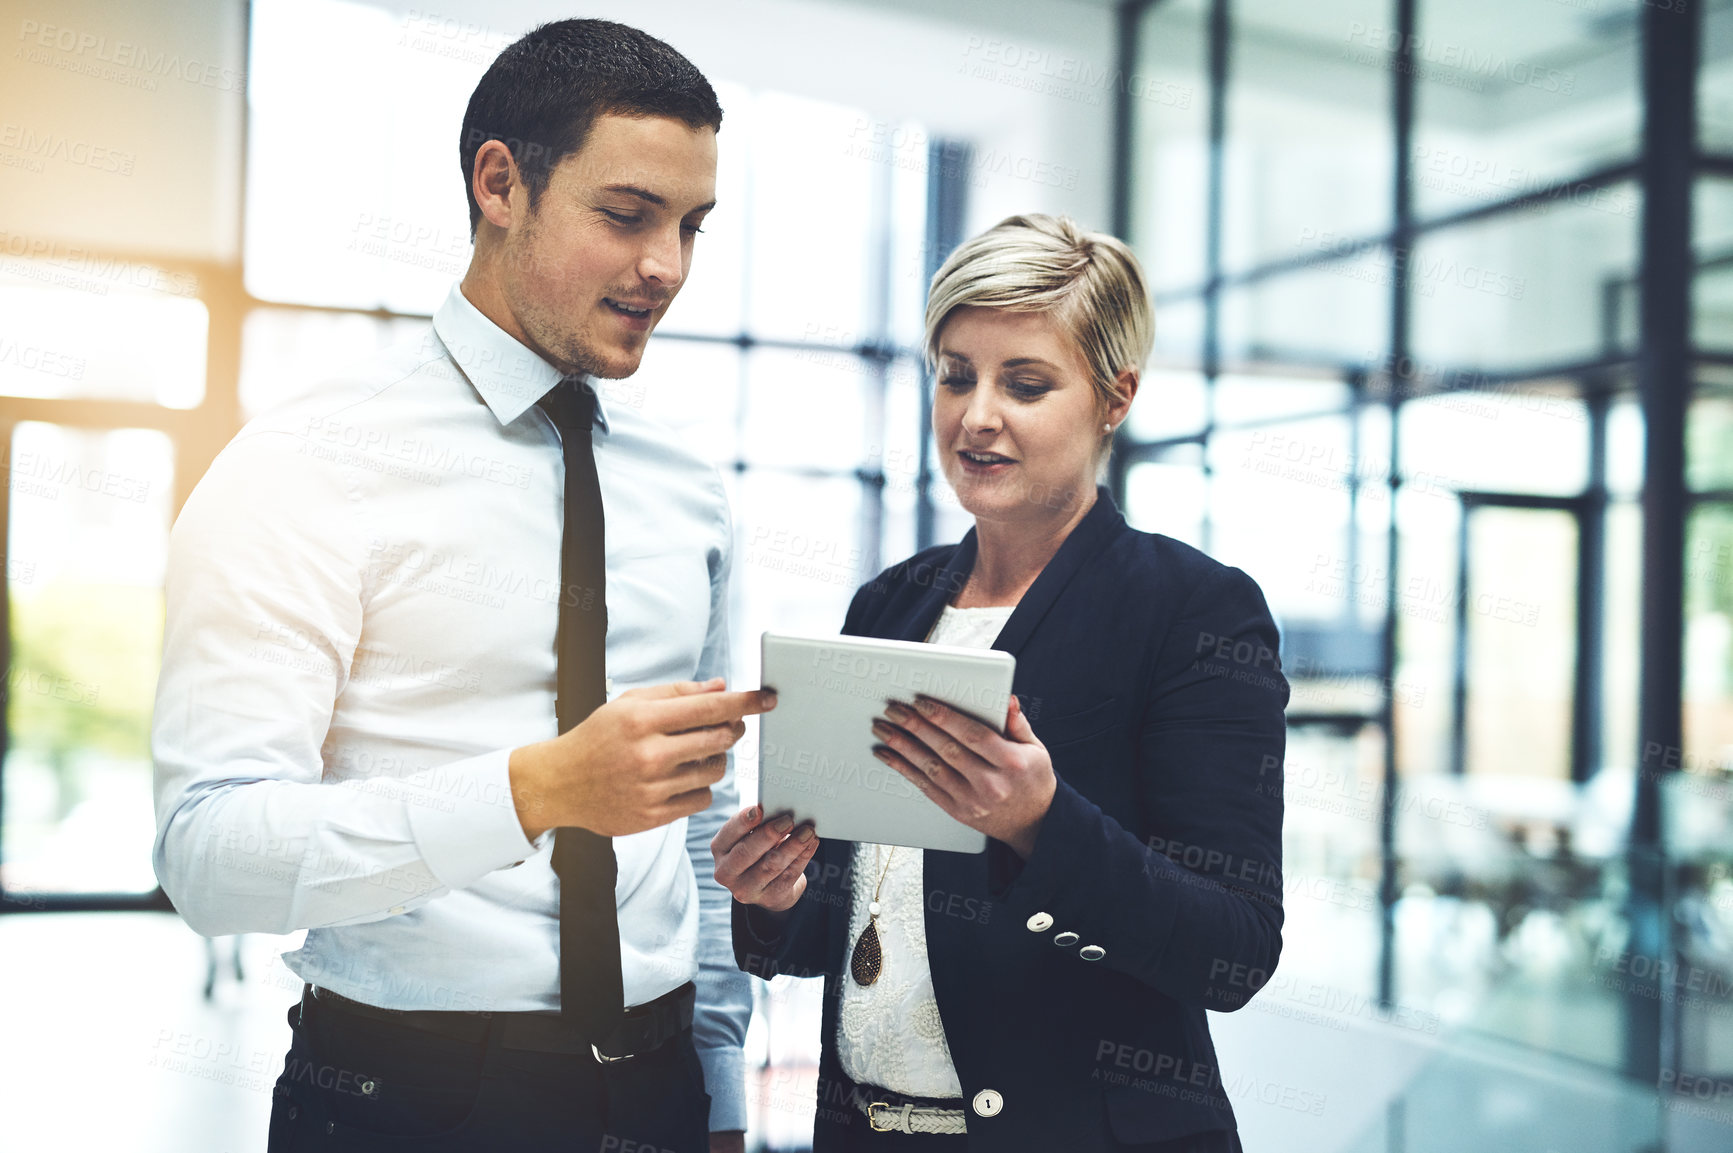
(1040, 922)
(607, 684)
(1092, 952)
(396, 909)
(988, 1102)
(1065, 940)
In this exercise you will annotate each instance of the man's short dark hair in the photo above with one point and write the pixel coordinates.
(540, 96)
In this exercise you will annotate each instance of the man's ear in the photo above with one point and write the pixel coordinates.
(492, 180)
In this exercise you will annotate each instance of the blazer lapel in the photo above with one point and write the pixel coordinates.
(1098, 527)
(947, 580)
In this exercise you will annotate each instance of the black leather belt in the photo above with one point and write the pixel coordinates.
(640, 1029)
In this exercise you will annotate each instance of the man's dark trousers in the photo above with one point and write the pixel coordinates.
(356, 1083)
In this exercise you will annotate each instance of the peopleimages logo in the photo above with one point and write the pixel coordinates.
(1062, 75)
(74, 266)
(119, 60)
(40, 146)
(1449, 62)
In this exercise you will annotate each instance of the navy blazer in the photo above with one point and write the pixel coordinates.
(1073, 986)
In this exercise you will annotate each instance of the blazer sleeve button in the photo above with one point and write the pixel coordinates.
(1092, 952)
(988, 1103)
(1040, 922)
(1065, 940)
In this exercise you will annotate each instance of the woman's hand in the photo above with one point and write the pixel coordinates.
(763, 862)
(1002, 786)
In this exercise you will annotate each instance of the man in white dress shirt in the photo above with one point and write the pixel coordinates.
(355, 724)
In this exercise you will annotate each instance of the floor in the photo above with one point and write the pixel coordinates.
(111, 1038)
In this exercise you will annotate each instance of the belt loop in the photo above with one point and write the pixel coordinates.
(907, 1109)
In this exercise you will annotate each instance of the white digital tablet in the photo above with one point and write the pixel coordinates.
(815, 748)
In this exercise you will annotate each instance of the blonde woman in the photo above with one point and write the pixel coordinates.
(1047, 994)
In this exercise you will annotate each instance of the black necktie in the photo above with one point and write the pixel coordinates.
(591, 995)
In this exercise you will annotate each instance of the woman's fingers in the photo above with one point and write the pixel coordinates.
(777, 858)
(785, 888)
(935, 751)
(734, 829)
(920, 755)
(960, 741)
(1017, 725)
(748, 849)
(937, 785)
(762, 853)
(980, 739)
(942, 742)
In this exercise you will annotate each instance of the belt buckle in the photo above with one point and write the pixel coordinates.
(604, 1059)
(874, 1121)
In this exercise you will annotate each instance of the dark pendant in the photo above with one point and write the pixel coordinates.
(868, 958)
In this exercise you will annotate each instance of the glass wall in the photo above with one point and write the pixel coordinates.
(87, 348)
(1399, 389)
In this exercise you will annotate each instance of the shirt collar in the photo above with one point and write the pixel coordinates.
(508, 376)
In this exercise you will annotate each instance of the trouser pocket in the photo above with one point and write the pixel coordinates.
(350, 1081)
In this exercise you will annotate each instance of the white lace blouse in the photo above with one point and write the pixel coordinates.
(889, 1033)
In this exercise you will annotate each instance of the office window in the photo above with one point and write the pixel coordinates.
(354, 194)
(1178, 333)
(1170, 128)
(1169, 495)
(102, 337)
(1278, 497)
(1308, 136)
(1333, 312)
(1712, 240)
(1715, 83)
(1526, 289)
(1168, 404)
(1528, 439)
(1518, 96)
(1482, 395)
(88, 517)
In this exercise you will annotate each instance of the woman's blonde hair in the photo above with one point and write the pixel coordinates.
(1090, 282)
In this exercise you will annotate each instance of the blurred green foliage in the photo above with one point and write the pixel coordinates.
(84, 667)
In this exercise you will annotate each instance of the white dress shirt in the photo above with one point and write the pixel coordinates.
(889, 1033)
(362, 598)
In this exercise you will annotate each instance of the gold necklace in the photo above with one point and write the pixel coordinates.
(868, 958)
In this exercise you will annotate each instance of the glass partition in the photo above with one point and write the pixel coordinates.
(88, 514)
(1507, 557)
(1308, 114)
(1521, 98)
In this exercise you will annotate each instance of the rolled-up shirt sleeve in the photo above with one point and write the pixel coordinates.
(264, 595)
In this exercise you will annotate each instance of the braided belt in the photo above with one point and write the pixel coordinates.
(902, 1115)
